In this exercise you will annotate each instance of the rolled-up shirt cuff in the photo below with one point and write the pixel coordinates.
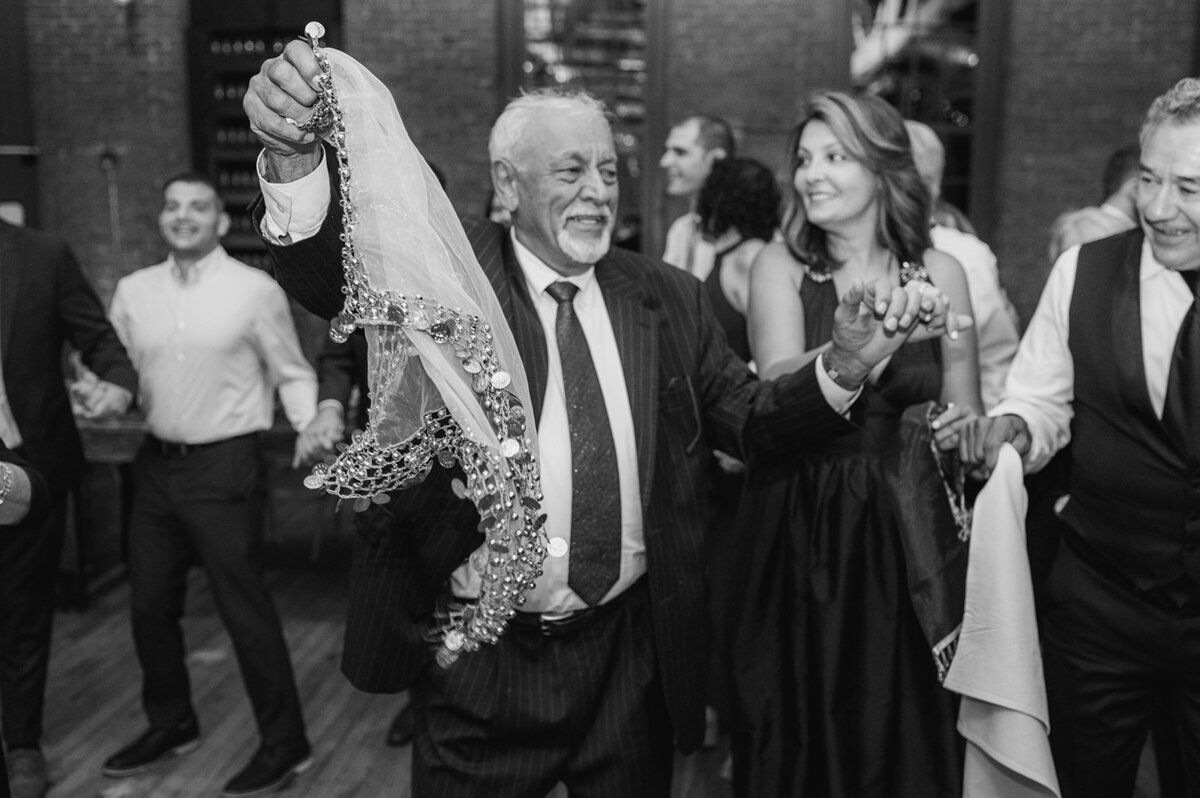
(294, 211)
(334, 403)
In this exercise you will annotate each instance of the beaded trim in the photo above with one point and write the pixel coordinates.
(908, 273)
(953, 476)
(504, 483)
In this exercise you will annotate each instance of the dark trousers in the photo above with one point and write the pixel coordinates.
(28, 574)
(206, 506)
(585, 708)
(1115, 657)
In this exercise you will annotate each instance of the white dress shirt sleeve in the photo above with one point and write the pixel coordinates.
(679, 242)
(839, 398)
(296, 210)
(118, 314)
(1041, 383)
(287, 368)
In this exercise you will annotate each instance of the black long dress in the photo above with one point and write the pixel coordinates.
(836, 691)
(724, 580)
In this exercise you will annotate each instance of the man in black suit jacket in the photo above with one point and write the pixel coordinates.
(590, 694)
(45, 302)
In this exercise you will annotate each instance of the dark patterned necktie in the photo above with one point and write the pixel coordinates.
(595, 491)
(1183, 383)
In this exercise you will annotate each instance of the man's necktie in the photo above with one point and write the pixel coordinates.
(595, 491)
(1180, 411)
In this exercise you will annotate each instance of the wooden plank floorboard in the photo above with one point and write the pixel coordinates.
(94, 703)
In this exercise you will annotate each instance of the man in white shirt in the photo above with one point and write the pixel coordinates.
(1109, 364)
(996, 327)
(691, 149)
(211, 339)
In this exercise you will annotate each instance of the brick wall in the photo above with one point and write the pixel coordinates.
(752, 62)
(440, 61)
(1080, 75)
(107, 78)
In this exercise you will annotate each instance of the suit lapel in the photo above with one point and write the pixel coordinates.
(10, 285)
(1126, 343)
(494, 250)
(634, 325)
(1126, 331)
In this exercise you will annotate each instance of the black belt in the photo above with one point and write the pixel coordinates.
(173, 449)
(1180, 595)
(556, 625)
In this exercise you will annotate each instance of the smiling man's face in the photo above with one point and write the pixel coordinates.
(192, 219)
(565, 183)
(1168, 194)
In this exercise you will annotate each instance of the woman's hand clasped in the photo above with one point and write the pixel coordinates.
(951, 425)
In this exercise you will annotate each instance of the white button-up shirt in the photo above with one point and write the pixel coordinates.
(551, 594)
(210, 347)
(1041, 382)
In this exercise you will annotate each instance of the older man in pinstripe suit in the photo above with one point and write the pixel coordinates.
(589, 686)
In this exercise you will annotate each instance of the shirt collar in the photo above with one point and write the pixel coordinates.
(539, 276)
(199, 268)
(1151, 268)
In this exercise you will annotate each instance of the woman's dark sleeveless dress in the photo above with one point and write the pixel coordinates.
(725, 491)
(835, 688)
(731, 319)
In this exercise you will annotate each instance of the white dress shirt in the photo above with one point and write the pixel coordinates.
(996, 329)
(551, 593)
(9, 433)
(1041, 382)
(210, 348)
(686, 249)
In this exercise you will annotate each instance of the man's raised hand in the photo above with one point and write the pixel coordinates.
(873, 320)
(281, 95)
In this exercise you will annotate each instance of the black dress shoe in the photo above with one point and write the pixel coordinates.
(400, 733)
(271, 768)
(154, 745)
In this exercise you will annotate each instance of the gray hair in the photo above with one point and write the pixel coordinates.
(1180, 105)
(510, 129)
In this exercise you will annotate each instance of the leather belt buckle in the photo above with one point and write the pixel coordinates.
(556, 627)
(173, 449)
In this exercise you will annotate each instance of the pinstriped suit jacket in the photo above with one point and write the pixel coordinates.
(688, 392)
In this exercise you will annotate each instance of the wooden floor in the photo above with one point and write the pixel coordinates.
(93, 698)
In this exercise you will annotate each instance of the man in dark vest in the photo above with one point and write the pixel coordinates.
(1111, 363)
